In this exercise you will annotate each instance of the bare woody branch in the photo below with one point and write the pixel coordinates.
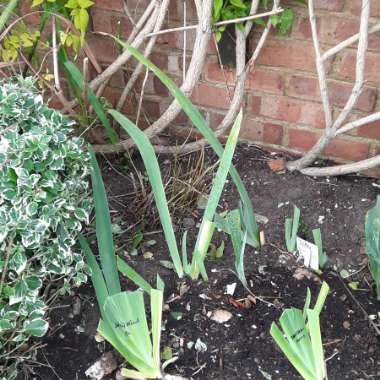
(332, 127)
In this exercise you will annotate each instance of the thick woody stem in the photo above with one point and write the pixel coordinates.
(192, 77)
(234, 107)
(355, 167)
(331, 127)
(123, 58)
(242, 71)
(139, 68)
(55, 56)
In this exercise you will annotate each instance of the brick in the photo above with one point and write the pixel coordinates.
(330, 5)
(260, 79)
(181, 119)
(151, 108)
(287, 53)
(302, 86)
(339, 92)
(111, 5)
(251, 130)
(136, 5)
(176, 11)
(103, 47)
(290, 110)
(272, 133)
(371, 130)
(25, 8)
(118, 80)
(264, 80)
(346, 67)
(215, 119)
(302, 28)
(374, 41)
(256, 104)
(356, 6)
(160, 60)
(112, 95)
(175, 40)
(332, 30)
(335, 30)
(101, 20)
(214, 73)
(104, 21)
(374, 173)
(159, 87)
(347, 149)
(301, 139)
(254, 129)
(211, 96)
(180, 62)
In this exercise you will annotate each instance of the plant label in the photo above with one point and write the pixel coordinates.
(309, 252)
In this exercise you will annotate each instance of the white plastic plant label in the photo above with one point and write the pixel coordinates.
(309, 252)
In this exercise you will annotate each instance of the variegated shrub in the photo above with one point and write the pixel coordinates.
(44, 201)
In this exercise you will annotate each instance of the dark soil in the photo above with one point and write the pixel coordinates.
(242, 348)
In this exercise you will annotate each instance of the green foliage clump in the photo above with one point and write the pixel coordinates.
(224, 10)
(44, 201)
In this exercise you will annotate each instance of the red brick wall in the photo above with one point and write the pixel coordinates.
(282, 104)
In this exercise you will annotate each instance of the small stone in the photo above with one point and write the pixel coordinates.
(102, 367)
(77, 306)
(79, 329)
(188, 222)
(346, 325)
(148, 255)
(221, 316)
(302, 273)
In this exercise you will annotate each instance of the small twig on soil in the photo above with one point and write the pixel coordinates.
(51, 367)
(358, 304)
(335, 341)
(279, 249)
(114, 169)
(336, 352)
(199, 369)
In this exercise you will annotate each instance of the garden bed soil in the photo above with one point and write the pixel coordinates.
(242, 347)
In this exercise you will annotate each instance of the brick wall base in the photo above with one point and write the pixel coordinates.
(282, 106)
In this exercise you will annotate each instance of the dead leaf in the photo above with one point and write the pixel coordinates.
(236, 303)
(277, 165)
(302, 273)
